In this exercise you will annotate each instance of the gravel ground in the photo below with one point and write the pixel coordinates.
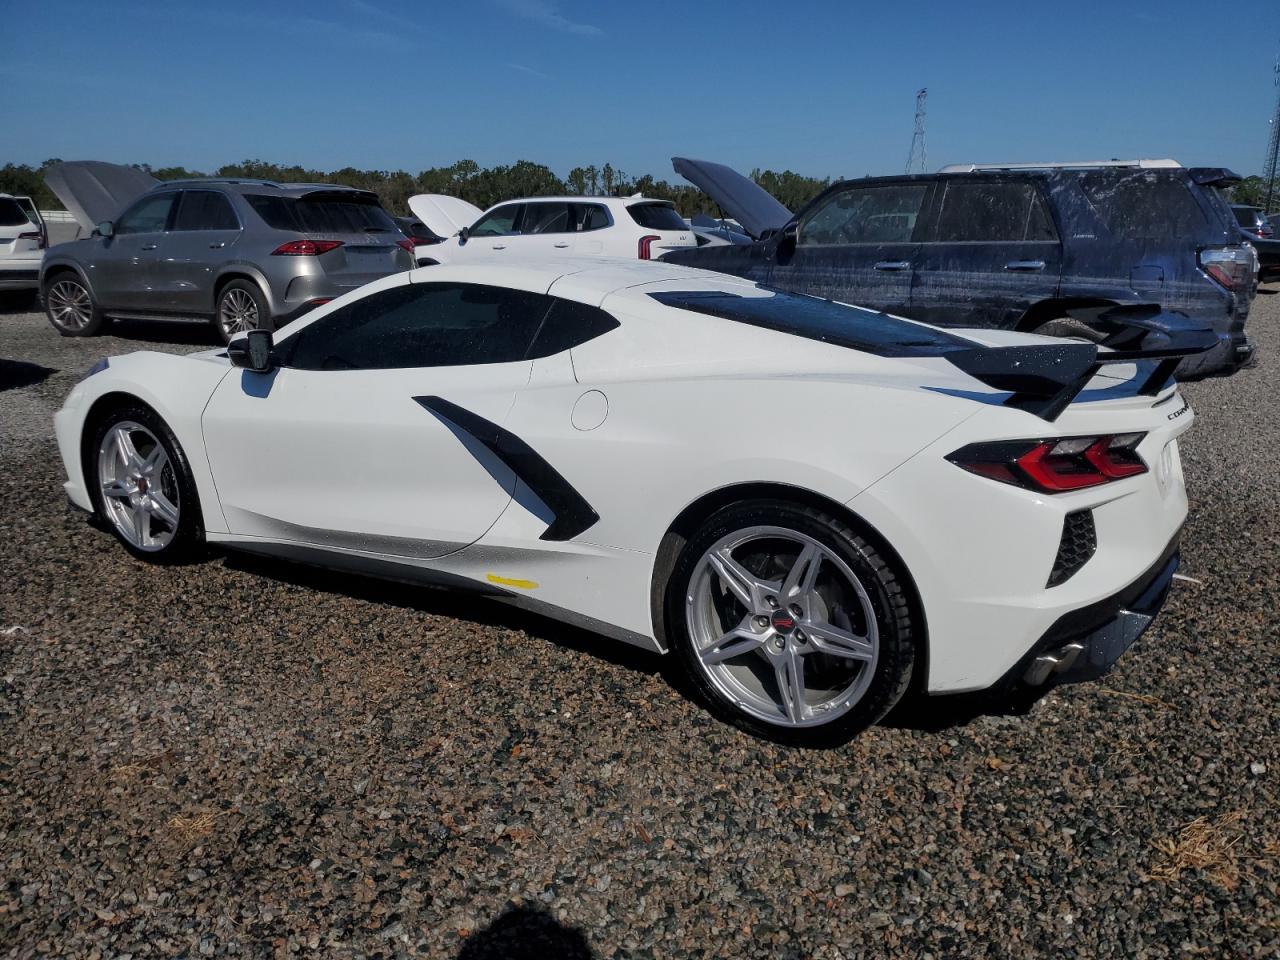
(240, 758)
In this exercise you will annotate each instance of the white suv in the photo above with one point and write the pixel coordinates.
(548, 227)
(22, 243)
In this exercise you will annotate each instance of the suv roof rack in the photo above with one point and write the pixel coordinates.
(1165, 164)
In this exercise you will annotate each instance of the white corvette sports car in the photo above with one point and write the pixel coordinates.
(808, 504)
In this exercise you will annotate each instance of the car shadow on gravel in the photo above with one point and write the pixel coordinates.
(525, 933)
(918, 711)
(196, 333)
(15, 374)
(444, 602)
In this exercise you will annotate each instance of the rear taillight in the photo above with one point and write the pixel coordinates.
(406, 244)
(305, 248)
(1055, 466)
(646, 243)
(1229, 266)
(36, 235)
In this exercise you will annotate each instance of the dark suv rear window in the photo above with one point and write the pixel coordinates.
(1143, 205)
(11, 215)
(656, 216)
(321, 215)
(1246, 216)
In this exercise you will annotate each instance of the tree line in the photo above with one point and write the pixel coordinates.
(466, 179)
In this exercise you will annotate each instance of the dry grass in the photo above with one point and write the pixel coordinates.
(1140, 697)
(1203, 844)
(191, 830)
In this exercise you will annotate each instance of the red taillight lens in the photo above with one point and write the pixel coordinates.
(36, 235)
(646, 244)
(406, 244)
(305, 248)
(1055, 466)
(1229, 266)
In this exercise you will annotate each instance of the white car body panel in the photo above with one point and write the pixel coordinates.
(21, 248)
(446, 216)
(644, 421)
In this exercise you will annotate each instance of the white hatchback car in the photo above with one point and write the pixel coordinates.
(22, 243)
(550, 227)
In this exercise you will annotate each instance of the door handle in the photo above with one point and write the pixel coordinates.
(217, 246)
(560, 246)
(893, 265)
(1024, 265)
(499, 246)
(149, 246)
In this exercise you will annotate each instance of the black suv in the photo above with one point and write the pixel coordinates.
(1032, 248)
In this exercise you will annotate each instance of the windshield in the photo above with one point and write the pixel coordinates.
(818, 319)
(325, 214)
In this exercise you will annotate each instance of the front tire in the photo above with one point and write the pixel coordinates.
(789, 624)
(241, 307)
(141, 485)
(70, 306)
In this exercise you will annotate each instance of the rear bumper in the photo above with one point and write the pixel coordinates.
(1085, 644)
(20, 278)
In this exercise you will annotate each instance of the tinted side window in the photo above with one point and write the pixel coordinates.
(569, 324)
(592, 216)
(547, 218)
(499, 223)
(884, 214)
(205, 210)
(422, 325)
(991, 212)
(147, 216)
(1143, 205)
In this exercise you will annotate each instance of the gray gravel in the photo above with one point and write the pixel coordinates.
(241, 758)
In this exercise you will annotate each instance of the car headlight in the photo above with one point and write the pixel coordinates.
(96, 368)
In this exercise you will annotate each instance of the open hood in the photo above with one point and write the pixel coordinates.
(94, 191)
(443, 215)
(743, 199)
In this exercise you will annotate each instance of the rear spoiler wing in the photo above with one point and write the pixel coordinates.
(1043, 379)
(1214, 176)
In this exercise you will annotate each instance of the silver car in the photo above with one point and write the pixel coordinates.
(243, 254)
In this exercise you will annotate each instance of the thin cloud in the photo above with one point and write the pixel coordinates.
(361, 8)
(548, 14)
(529, 70)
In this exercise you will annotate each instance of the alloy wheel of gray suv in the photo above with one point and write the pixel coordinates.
(70, 307)
(241, 308)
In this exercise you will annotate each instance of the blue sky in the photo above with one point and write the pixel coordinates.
(822, 88)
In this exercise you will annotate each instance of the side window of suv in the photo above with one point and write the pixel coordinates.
(422, 325)
(591, 216)
(547, 218)
(499, 223)
(148, 215)
(977, 211)
(205, 210)
(881, 214)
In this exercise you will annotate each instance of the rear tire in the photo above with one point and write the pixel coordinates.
(789, 624)
(241, 307)
(142, 487)
(70, 306)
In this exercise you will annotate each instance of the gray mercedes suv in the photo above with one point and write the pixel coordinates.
(243, 254)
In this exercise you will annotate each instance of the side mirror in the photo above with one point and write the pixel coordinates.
(253, 351)
(463, 234)
(785, 246)
(106, 228)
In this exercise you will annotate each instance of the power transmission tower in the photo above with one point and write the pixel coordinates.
(918, 152)
(1269, 170)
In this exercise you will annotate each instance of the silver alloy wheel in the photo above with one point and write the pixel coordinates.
(70, 304)
(782, 627)
(139, 486)
(238, 313)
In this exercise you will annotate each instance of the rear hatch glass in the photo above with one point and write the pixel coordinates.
(12, 214)
(369, 236)
(657, 216)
